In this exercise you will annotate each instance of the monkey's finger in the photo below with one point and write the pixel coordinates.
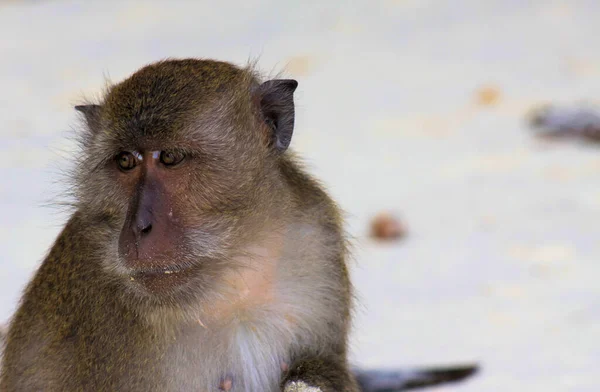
(300, 386)
(402, 380)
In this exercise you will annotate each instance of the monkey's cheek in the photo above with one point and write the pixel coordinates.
(127, 252)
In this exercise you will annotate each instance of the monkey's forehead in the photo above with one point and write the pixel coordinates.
(167, 94)
(177, 83)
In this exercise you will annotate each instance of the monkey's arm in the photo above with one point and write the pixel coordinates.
(319, 374)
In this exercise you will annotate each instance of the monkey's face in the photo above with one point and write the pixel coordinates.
(158, 242)
(174, 207)
(180, 170)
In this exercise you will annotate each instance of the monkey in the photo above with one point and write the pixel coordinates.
(200, 255)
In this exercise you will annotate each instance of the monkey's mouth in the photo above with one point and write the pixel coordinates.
(174, 269)
(162, 278)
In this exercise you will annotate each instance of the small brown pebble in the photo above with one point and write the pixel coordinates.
(284, 367)
(487, 96)
(387, 227)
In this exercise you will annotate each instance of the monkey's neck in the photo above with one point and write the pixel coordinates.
(248, 286)
(246, 329)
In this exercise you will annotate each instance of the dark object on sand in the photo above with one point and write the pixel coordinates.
(578, 122)
(404, 380)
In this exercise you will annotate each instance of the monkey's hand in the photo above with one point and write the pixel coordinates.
(319, 374)
(300, 386)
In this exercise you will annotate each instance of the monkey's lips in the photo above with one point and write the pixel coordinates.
(164, 278)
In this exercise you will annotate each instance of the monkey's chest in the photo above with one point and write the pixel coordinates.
(247, 356)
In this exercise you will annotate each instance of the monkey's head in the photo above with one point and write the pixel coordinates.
(180, 163)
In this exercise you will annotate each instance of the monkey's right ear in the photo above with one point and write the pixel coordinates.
(90, 112)
(277, 106)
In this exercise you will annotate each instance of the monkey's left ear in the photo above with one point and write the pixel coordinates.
(277, 106)
(91, 113)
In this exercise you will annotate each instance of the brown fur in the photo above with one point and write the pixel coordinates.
(263, 240)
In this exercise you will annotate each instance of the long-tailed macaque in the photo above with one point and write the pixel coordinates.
(200, 256)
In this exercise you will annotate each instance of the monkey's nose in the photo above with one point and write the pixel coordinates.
(143, 224)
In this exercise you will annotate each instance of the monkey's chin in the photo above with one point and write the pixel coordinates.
(163, 280)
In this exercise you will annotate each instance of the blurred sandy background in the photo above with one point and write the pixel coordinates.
(412, 106)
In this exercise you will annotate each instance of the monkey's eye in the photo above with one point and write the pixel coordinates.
(171, 158)
(126, 161)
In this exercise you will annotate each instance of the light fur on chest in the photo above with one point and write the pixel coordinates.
(249, 352)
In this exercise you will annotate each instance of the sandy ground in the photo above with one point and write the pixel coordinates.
(501, 262)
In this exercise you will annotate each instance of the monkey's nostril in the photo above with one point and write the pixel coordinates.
(141, 224)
